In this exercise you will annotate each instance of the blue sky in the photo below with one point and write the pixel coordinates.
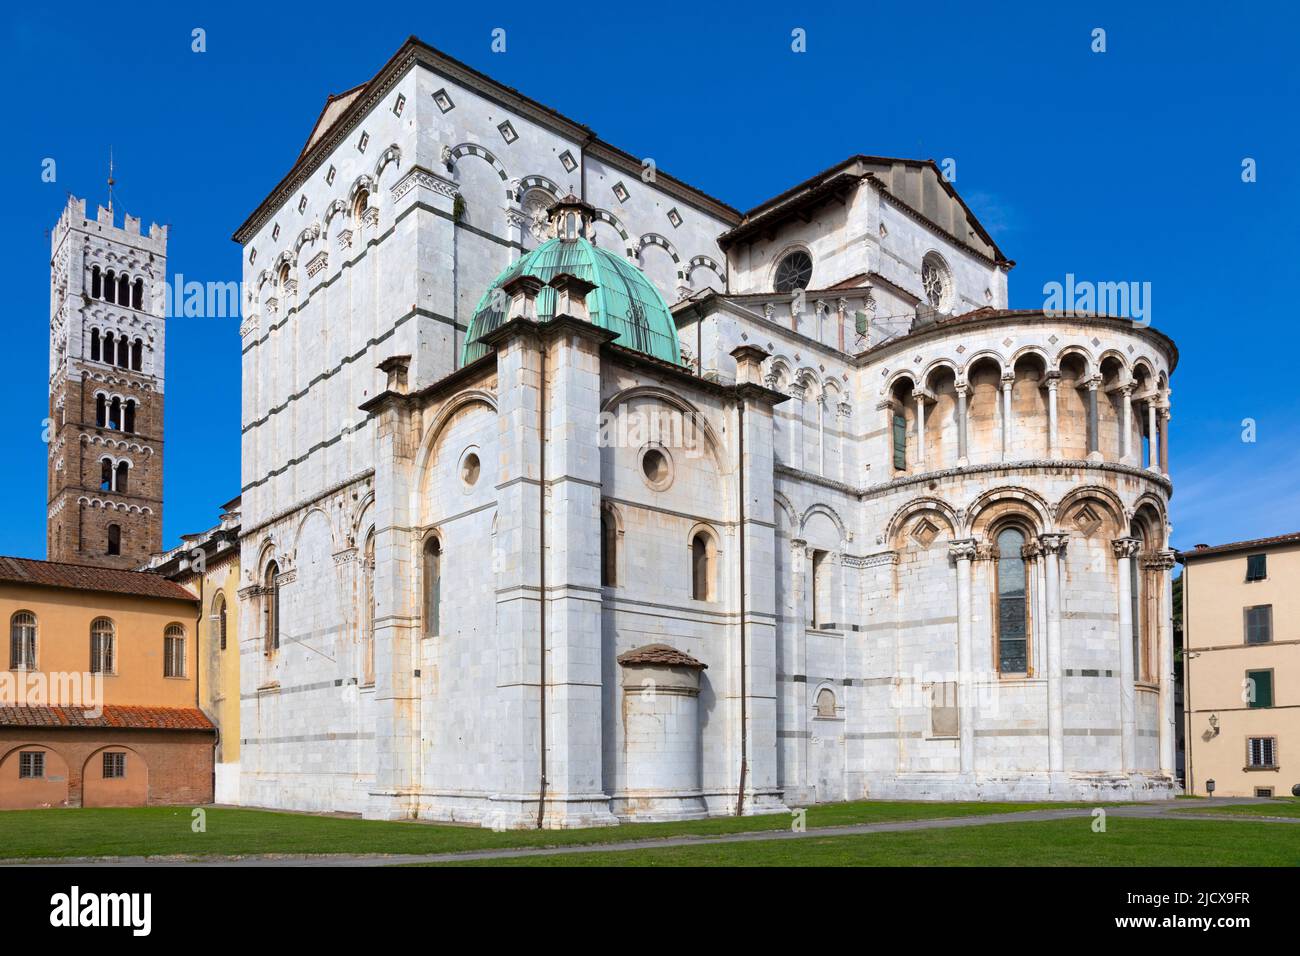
(1124, 165)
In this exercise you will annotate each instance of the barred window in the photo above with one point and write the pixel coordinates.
(1259, 624)
(1013, 611)
(174, 651)
(102, 640)
(1261, 752)
(114, 766)
(31, 765)
(22, 641)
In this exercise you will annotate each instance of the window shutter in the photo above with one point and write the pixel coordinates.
(1256, 567)
(1263, 681)
(1259, 624)
(900, 441)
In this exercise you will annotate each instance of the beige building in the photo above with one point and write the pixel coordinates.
(1242, 667)
(207, 564)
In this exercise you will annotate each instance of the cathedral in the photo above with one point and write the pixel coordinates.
(572, 495)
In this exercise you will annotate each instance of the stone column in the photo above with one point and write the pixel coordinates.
(1008, 380)
(1164, 440)
(1126, 423)
(1153, 431)
(920, 395)
(1053, 443)
(887, 408)
(1053, 546)
(963, 397)
(963, 552)
(847, 446)
(1094, 439)
(821, 433)
(796, 693)
(1163, 563)
(797, 393)
(1126, 550)
(516, 223)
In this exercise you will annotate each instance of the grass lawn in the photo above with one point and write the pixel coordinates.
(1126, 842)
(1264, 808)
(165, 831)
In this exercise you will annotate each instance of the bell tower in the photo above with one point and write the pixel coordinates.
(107, 307)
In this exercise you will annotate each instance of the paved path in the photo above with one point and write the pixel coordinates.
(1167, 810)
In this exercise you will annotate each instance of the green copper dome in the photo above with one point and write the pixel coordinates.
(624, 300)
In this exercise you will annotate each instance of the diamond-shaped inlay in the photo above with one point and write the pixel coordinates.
(961, 349)
(570, 164)
(1007, 342)
(508, 132)
(275, 232)
(1096, 342)
(917, 360)
(1130, 350)
(329, 176)
(674, 217)
(444, 101)
(1053, 339)
(399, 104)
(363, 142)
(620, 192)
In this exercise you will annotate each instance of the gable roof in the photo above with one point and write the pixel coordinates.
(1253, 544)
(335, 106)
(82, 577)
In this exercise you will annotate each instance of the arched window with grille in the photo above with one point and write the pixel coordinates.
(271, 608)
(103, 640)
(174, 651)
(22, 641)
(1012, 603)
(219, 619)
(432, 587)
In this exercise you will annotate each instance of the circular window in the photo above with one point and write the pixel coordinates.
(794, 272)
(469, 469)
(936, 281)
(657, 468)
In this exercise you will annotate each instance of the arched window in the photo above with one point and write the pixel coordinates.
(123, 469)
(936, 280)
(360, 205)
(702, 567)
(96, 283)
(137, 294)
(123, 351)
(94, 344)
(821, 588)
(114, 545)
(794, 272)
(219, 618)
(608, 550)
(432, 586)
(110, 354)
(368, 637)
(115, 414)
(826, 703)
(128, 416)
(105, 475)
(174, 651)
(271, 608)
(103, 659)
(110, 287)
(1013, 606)
(123, 290)
(101, 413)
(22, 641)
(137, 355)
(1138, 596)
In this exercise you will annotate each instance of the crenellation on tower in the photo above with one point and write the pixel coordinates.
(107, 360)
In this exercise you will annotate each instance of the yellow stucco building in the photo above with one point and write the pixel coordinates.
(1241, 602)
(207, 564)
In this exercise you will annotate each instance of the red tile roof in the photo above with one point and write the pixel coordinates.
(1252, 545)
(114, 716)
(82, 577)
(660, 654)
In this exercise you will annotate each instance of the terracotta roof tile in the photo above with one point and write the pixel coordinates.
(660, 654)
(1250, 545)
(114, 716)
(85, 578)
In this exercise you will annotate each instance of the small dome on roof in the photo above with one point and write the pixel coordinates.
(623, 301)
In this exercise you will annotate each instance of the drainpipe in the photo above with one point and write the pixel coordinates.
(1187, 685)
(744, 711)
(541, 548)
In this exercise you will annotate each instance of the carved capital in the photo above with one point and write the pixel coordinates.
(1053, 542)
(1126, 547)
(963, 549)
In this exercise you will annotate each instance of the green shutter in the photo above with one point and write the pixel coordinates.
(1263, 688)
(900, 442)
(860, 322)
(1256, 567)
